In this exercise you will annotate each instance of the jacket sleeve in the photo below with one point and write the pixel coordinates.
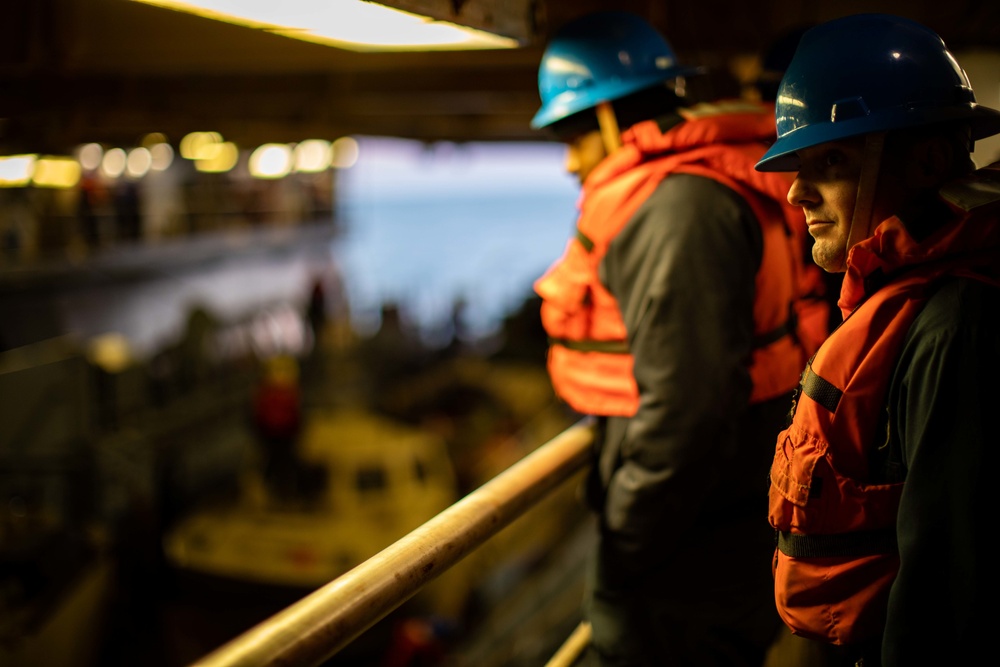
(941, 402)
(683, 273)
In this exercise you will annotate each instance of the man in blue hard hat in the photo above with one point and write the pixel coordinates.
(881, 487)
(674, 317)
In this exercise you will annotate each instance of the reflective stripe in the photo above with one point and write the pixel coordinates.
(843, 545)
(606, 346)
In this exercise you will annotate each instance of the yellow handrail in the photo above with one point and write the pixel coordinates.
(572, 648)
(321, 624)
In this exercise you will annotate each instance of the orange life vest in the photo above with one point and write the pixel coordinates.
(589, 360)
(837, 556)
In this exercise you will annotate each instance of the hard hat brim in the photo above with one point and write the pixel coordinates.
(783, 154)
(575, 101)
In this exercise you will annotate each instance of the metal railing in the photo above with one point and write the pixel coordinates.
(572, 648)
(324, 622)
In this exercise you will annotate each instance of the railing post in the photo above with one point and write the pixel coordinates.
(321, 624)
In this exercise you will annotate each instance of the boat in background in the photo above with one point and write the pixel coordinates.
(365, 481)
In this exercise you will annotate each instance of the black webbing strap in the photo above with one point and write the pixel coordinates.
(788, 328)
(607, 346)
(774, 335)
(584, 240)
(820, 390)
(851, 545)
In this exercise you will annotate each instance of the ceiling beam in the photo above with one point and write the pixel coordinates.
(510, 18)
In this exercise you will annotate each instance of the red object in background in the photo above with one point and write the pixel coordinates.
(278, 410)
(415, 643)
(277, 403)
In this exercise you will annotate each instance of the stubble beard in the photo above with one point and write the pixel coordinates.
(829, 255)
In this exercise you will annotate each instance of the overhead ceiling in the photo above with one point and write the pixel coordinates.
(74, 71)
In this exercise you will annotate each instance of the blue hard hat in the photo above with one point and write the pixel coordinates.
(869, 73)
(600, 58)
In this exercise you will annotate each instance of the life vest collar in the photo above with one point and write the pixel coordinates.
(892, 248)
(729, 122)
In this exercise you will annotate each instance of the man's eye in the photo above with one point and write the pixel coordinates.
(833, 159)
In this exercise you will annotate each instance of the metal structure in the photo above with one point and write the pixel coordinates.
(74, 71)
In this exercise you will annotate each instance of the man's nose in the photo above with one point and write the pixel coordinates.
(802, 193)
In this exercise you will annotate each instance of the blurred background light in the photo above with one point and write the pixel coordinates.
(16, 170)
(152, 139)
(223, 158)
(111, 352)
(271, 161)
(200, 145)
(113, 163)
(138, 162)
(351, 24)
(161, 155)
(56, 172)
(312, 155)
(345, 152)
(90, 156)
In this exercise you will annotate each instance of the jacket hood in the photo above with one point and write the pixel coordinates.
(968, 236)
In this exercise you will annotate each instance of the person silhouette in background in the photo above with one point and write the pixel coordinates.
(277, 418)
(675, 317)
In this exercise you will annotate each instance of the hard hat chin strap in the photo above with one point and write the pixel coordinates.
(864, 203)
(608, 123)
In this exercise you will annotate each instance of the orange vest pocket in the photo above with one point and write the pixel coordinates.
(840, 600)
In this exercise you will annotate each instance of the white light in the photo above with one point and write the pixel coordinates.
(138, 163)
(162, 156)
(791, 101)
(271, 161)
(113, 163)
(312, 155)
(358, 25)
(90, 156)
(345, 152)
(567, 67)
(16, 169)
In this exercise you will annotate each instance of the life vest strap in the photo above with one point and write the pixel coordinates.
(849, 545)
(820, 390)
(787, 328)
(606, 346)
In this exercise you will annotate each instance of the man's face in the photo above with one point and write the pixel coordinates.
(826, 188)
(584, 153)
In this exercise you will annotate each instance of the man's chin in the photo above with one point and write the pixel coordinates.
(829, 262)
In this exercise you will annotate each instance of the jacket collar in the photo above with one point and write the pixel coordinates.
(935, 233)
